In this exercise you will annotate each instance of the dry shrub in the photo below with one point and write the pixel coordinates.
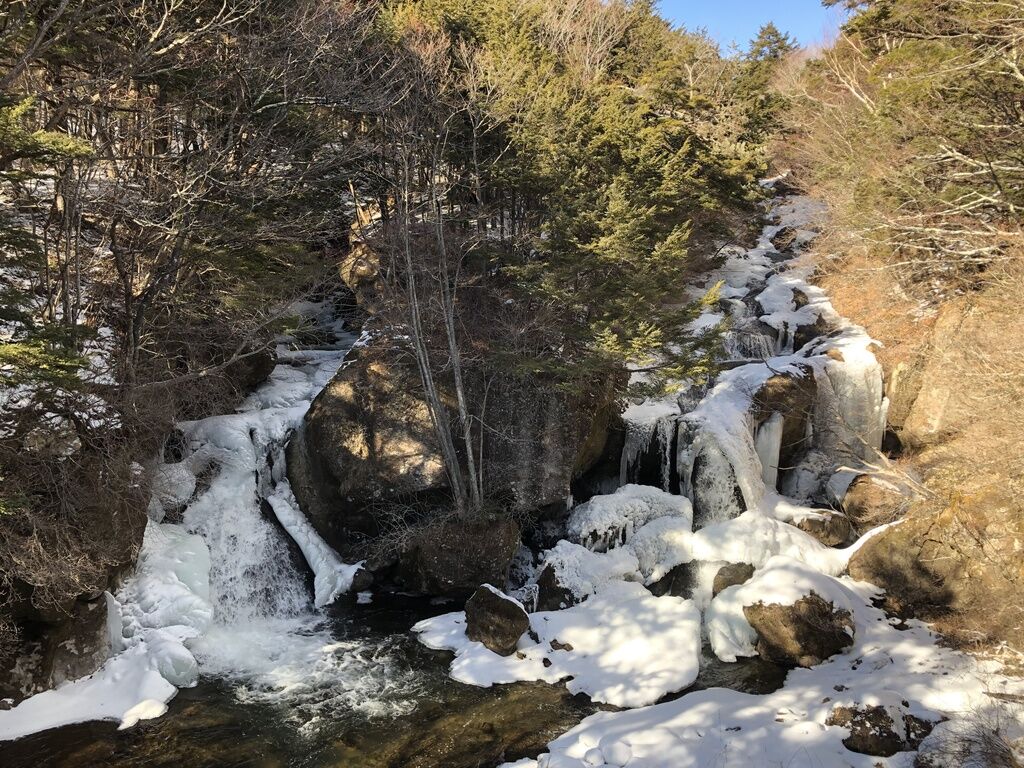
(978, 740)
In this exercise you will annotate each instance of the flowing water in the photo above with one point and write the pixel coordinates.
(425, 720)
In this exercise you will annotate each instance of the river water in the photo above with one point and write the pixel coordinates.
(432, 721)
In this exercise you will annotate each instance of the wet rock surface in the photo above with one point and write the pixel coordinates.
(803, 634)
(455, 557)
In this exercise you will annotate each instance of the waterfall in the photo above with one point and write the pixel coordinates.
(265, 635)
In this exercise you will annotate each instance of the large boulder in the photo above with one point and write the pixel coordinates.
(367, 445)
(366, 439)
(874, 731)
(455, 556)
(496, 620)
(803, 634)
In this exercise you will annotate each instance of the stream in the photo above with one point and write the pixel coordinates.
(423, 719)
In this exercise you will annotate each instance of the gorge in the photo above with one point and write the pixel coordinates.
(509, 384)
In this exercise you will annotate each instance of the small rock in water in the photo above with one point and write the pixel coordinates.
(496, 620)
(731, 575)
(785, 239)
(803, 634)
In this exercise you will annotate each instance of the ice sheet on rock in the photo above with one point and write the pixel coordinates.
(585, 573)
(606, 521)
(644, 422)
(331, 576)
(628, 647)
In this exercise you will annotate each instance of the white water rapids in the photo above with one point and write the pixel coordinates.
(217, 594)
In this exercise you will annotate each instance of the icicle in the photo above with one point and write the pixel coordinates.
(769, 445)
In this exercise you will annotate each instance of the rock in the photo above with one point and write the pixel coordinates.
(713, 487)
(785, 239)
(366, 438)
(496, 620)
(79, 646)
(551, 595)
(359, 269)
(456, 556)
(870, 501)
(874, 732)
(830, 528)
(731, 575)
(803, 634)
(367, 444)
(249, 372)
(805, 334)
(362, 580)
(678, 582)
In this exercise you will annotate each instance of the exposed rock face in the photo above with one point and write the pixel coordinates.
(496, 620)
(874, 732)
(368, 441)
(830, 528)
(871, 501)
(801, 635)
(71, 646)
(731, 575)
(366, 438)
(455, 557)
(953, 383)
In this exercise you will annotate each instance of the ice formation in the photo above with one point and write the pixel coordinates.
(216, 594)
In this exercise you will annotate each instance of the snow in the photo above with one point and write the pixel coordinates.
(899, 666)
(903, 669)
(781, 581)
(585, 573)
(623, 646)
(606, 520)
(217, 595)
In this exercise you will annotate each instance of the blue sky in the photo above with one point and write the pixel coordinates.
(739, 20)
